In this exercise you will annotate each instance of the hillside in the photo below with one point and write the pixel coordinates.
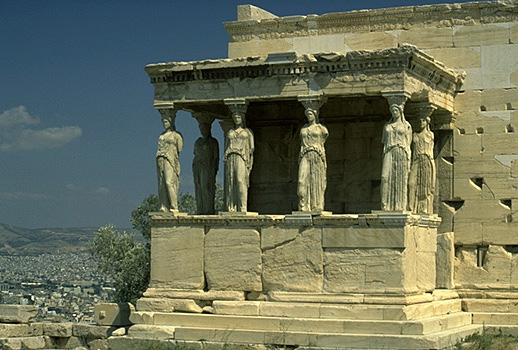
(17, 240)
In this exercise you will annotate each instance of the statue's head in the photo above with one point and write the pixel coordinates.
(396, 111)
(204, 129)
(311, 114)
(168, 123)
(239, 118)
(424, 123)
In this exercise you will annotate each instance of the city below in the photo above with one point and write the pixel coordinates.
(52, 269)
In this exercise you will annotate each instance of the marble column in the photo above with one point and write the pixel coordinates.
(238, 158)
(396, 139)
(205, 166)
(312, 175)
(421, 183)
(170, 144)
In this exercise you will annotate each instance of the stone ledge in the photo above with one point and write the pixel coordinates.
(378, 219)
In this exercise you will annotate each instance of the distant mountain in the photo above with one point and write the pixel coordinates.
(17, 240)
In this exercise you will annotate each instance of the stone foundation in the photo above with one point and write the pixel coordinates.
(336, 257)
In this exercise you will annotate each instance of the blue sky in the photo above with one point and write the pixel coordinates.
(77, 126)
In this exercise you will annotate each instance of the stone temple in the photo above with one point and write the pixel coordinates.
(358, 273)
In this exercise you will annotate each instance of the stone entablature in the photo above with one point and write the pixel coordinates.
(288, 75)
(400, 18)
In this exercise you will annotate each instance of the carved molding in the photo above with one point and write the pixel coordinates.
(312, 101)
(406, 56)
(403, 18)
(376, 219)
(236, 105)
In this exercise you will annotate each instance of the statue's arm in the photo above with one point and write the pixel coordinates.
(251, 148)
(180, 142)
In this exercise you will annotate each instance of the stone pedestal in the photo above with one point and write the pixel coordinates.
(313, 280)
(381, 254)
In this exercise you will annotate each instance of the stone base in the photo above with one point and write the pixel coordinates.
(352, 321)
(435, 332)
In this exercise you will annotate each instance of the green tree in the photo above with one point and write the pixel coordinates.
(125, 260)
(186, 203)
(140, 216)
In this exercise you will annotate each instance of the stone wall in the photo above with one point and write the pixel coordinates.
(480, 38)
(386, 253)
(20, 330)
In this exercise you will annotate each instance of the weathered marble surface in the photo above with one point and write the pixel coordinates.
(397, 136)
(204, 169)
(421, 183)
(312, 179)
(238, 160)
(170, 144)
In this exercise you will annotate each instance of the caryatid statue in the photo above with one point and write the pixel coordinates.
(397, 137)
(312, 177)
(205, 166)
(238, 158)
(170, 144)
(422, 171)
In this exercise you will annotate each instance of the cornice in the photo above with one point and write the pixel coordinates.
(442, 15)
(404, 58)
(375, 219)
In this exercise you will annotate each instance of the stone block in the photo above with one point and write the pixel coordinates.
(113, 314)
(168, 305)
(469, 100)
(425, 271)
(177, 257)
(88, 331)
(60, 330)
(473, 80)
(355, 312)
(273, 236)
(316, 44)
(295, 265)
(498, 63)
(68, 343)
(429, 38)
(489, 270)
(142, 317)
(444, 307)
(25, 343)
(356, 237)
(457, 57)
(513, 31)
(364, 270)
(233, 259)
(17, 313)
(200, 295)
(236, 307)
(98, 344)
(499, 99)
(500, 233)
(370, 41)
(258, 47)
(480, 35)
(425, 239)
(468, 145)
(151, 332)
(8, 330)
(308, 310)
(445, 257)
